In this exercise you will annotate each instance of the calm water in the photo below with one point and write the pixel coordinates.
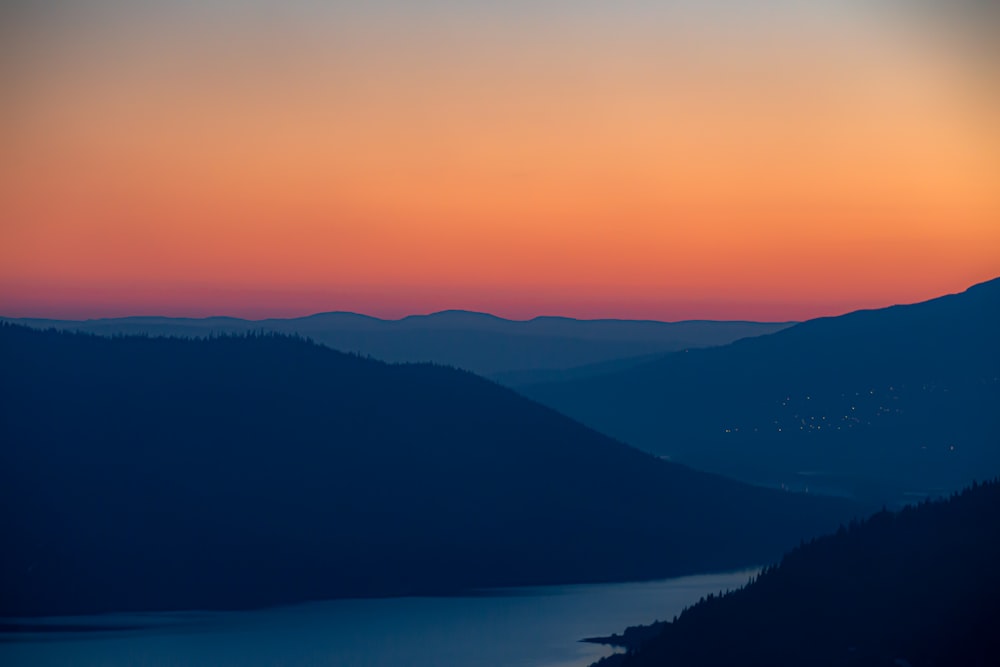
(528, 627)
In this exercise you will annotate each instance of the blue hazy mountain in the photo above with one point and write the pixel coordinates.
(508, 350)
(874, 402)
(919, 588)
(227, 472)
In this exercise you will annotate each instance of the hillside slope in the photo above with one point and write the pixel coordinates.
(877, 402)
(154, 473)
(919, 588)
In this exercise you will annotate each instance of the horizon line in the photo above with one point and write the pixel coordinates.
(412, 316)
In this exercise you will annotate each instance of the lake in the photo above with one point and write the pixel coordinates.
(524, 627)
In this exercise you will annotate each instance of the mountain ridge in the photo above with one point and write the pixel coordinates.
(388, 320)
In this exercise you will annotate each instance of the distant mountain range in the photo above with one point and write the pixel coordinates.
(163, 473)
(874, 403)
(506, 350)
(914, 589)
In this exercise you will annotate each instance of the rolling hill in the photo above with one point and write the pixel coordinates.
(874, 403)
(506, 350)
(162, 473)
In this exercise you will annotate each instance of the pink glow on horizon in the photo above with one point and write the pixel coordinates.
(255, 304)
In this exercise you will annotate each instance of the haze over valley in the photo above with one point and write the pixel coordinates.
(507, 350)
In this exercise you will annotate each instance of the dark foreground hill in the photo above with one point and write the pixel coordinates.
(874, 402)
(506, 350)
(145, 473)
(919, 588)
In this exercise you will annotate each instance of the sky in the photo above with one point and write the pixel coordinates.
(770, 160)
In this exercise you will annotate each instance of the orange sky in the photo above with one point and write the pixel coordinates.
(620, 163)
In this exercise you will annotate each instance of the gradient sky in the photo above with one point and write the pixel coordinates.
(718, 159)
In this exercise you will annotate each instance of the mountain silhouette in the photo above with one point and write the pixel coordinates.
(229, 472)
(875, 403)
(506, 350)
(919, 588)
